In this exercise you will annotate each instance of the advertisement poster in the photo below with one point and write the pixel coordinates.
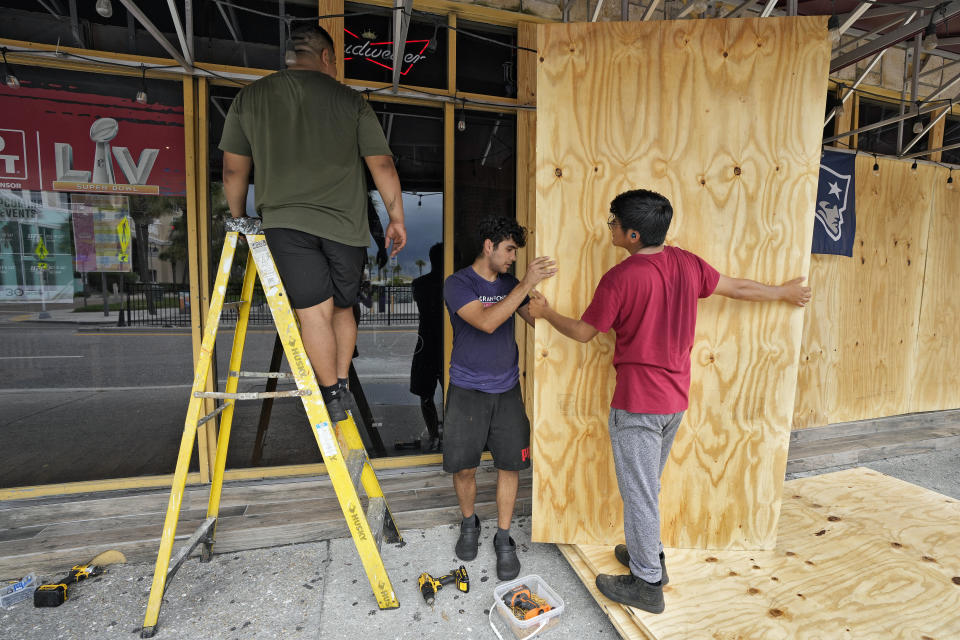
(57, 138)
(101, 233)
(36, 256)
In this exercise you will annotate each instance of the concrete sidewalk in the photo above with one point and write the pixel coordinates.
(312, 591)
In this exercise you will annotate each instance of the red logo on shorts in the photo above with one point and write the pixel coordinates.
(524, 454)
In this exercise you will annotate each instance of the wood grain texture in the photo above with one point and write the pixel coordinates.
(938, 339)
(859, 555)
(723, 117)
(859, 353)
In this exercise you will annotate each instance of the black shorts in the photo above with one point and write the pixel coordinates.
(314, 269)
(475, 419)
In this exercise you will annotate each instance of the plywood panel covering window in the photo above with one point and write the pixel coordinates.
(860, 333)
(724, 118)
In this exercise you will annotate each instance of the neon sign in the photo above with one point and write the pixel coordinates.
(374, 52)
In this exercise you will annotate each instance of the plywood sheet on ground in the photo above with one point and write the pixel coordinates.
(859, 355)
(721, 116)
(859, 555)
(938, 340)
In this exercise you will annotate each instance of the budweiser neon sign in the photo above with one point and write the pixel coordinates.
(381, 53)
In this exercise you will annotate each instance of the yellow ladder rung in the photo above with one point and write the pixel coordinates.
(252, 395)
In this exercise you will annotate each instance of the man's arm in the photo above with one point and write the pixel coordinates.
(236, 179)
(571, 327)
(385, 176)
(791, 291)
(524, 312)
(489, 319)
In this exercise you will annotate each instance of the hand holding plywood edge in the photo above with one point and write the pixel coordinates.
(794, 292)
(539, 269)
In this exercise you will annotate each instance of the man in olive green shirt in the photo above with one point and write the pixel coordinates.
(306, 134)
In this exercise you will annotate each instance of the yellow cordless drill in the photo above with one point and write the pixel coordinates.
(430, 585)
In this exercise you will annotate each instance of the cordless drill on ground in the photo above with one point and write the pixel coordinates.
(430, 585)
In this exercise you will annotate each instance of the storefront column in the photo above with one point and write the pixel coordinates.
(196, 162)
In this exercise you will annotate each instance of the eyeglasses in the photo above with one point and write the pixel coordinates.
(612, 221)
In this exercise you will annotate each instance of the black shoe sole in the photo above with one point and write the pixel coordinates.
(651, 607)
(623, 556)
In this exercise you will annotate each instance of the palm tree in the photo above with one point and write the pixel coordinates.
(396, 274)
(420, 265)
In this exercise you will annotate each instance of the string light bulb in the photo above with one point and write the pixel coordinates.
(462, 122)
(432, 45)
(11, 78)
(950, 180)
(917, 127)
(914, 165)
(833, 27)
(289, 53)
(104, 8)
(876, 166)
(142, 93)
(930, 41)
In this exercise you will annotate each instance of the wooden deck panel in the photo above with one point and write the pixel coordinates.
(859, 555)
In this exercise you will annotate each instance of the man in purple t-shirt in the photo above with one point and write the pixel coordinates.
(484, 406)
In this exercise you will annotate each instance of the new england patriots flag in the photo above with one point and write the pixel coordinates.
(836, 222)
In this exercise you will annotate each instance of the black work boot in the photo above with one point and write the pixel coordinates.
(632, 591)
(508, 564)
(334, 402)
(469, 540)
(621, 553)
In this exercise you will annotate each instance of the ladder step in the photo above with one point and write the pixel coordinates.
(202, 534)
(376, 512)
(261, 374)
(213, 414)
(235, 303)
(252, 395)
(354, 460)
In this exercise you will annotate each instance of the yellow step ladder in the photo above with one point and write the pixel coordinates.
(340, 444)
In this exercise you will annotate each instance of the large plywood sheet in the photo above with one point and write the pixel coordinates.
(859, 355)
(859, 555)
(938, 340)
(722, 117)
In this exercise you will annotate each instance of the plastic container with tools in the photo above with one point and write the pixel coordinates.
(537, 624)
(22, 589)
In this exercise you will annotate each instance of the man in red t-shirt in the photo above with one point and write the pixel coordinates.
(650, 301)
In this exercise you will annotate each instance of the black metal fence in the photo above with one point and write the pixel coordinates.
(150, 304)
(390, 305)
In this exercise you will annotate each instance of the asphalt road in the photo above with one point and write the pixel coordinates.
(83, 405)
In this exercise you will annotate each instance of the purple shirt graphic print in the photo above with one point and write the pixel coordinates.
(481, 361)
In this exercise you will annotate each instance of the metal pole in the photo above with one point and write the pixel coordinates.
(846, 96)
(927, 128)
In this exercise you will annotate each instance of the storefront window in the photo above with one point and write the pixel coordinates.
(92, 185)
(490, 68)
(368, 47)
(884, 139)
(951, 135)
(485, 176)
(393, 362)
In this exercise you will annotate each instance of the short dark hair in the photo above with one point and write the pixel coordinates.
(312, 37)
(499, 229)
(646, 212)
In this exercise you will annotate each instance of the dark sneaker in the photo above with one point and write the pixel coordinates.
(334, 404)
(632, 591)
(469, 540)
(508, 564)
(621, 553)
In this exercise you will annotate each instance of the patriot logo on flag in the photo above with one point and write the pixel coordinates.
(836, 223)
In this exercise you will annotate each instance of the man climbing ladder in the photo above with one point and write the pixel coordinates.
(343, 454)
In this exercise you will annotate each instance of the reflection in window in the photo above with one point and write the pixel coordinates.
(483, 66)
(485, 176)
